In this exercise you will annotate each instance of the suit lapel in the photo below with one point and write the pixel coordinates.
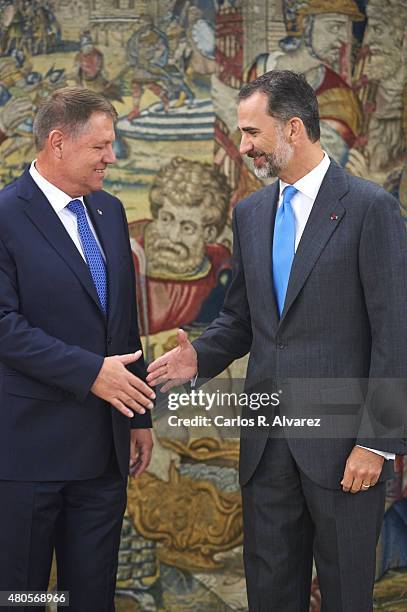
(263, 217)
(326, 214)
(47, 222)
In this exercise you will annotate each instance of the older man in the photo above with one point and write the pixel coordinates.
(72, 416)
(178, 260)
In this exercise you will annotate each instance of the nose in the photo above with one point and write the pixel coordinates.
(245, 144)
(343, 37)
(367, 37)
(174, 232)
(109, 156)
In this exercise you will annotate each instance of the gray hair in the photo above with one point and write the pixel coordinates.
(68, 109)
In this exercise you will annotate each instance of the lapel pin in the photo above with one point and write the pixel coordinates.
(100, 212)
(334, 217)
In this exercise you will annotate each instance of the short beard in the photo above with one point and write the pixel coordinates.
(275, 162)
(383, 66)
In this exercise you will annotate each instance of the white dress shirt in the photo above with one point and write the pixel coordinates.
(302, 203)
(59, 201)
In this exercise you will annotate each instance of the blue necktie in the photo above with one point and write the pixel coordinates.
(283, 246)
(91, 251)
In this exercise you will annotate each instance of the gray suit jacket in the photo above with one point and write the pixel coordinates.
(339, 349)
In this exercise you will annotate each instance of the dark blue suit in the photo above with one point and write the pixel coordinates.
(53, 339)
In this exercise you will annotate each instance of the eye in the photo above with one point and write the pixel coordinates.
(166, 217)
(98, 147)
(189, 228)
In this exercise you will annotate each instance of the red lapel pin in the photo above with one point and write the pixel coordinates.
(334, 217)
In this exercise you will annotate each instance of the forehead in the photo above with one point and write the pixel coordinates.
(375, 19)
(100, 126)
(180, 210)
(332, 18)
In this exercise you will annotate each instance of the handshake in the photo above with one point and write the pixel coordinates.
(128, 393)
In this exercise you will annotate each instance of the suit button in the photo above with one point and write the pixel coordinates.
(281, 345)
(109, 340)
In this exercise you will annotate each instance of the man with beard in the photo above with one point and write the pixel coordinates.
(318, 297)
(386, 72)
(177, 259)
(319, 44)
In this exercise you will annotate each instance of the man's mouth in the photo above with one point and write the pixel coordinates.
(100, 170)
(259, 160)
(175, 249)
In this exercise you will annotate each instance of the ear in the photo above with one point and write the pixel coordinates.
(210, 233)
(295, 129)
(56, 141)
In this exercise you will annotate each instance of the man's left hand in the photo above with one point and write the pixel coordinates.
(141, 446)
(362, 470)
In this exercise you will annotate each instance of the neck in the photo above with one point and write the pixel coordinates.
(47, 171)
(302, 162)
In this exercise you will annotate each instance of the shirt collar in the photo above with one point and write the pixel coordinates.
(310, 184)
(57, 198)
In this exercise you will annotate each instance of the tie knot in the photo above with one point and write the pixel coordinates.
(76, 207)
(288, 193)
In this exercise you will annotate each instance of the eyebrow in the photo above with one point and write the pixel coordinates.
(248, 129)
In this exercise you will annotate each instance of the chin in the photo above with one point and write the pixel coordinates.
(98, 186)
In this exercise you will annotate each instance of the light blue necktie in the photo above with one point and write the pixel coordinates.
(91, 251)
(283, 246)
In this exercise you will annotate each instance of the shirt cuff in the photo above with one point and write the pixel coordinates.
(193, 380)
(378, 452)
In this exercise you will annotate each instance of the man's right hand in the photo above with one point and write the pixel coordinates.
(124, 391)
(175, 367)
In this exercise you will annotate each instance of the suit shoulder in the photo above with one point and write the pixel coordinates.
(369, 194)
(254, 198)
(367, 188)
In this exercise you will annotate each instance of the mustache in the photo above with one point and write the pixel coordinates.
(255, 154)
(175, 247)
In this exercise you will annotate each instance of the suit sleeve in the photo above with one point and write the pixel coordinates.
(139, 421)
(383, 273)
(33, 352)
(229, 337)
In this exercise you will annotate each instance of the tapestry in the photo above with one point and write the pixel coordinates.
(172, 69)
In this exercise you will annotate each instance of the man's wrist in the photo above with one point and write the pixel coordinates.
(384, 454)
